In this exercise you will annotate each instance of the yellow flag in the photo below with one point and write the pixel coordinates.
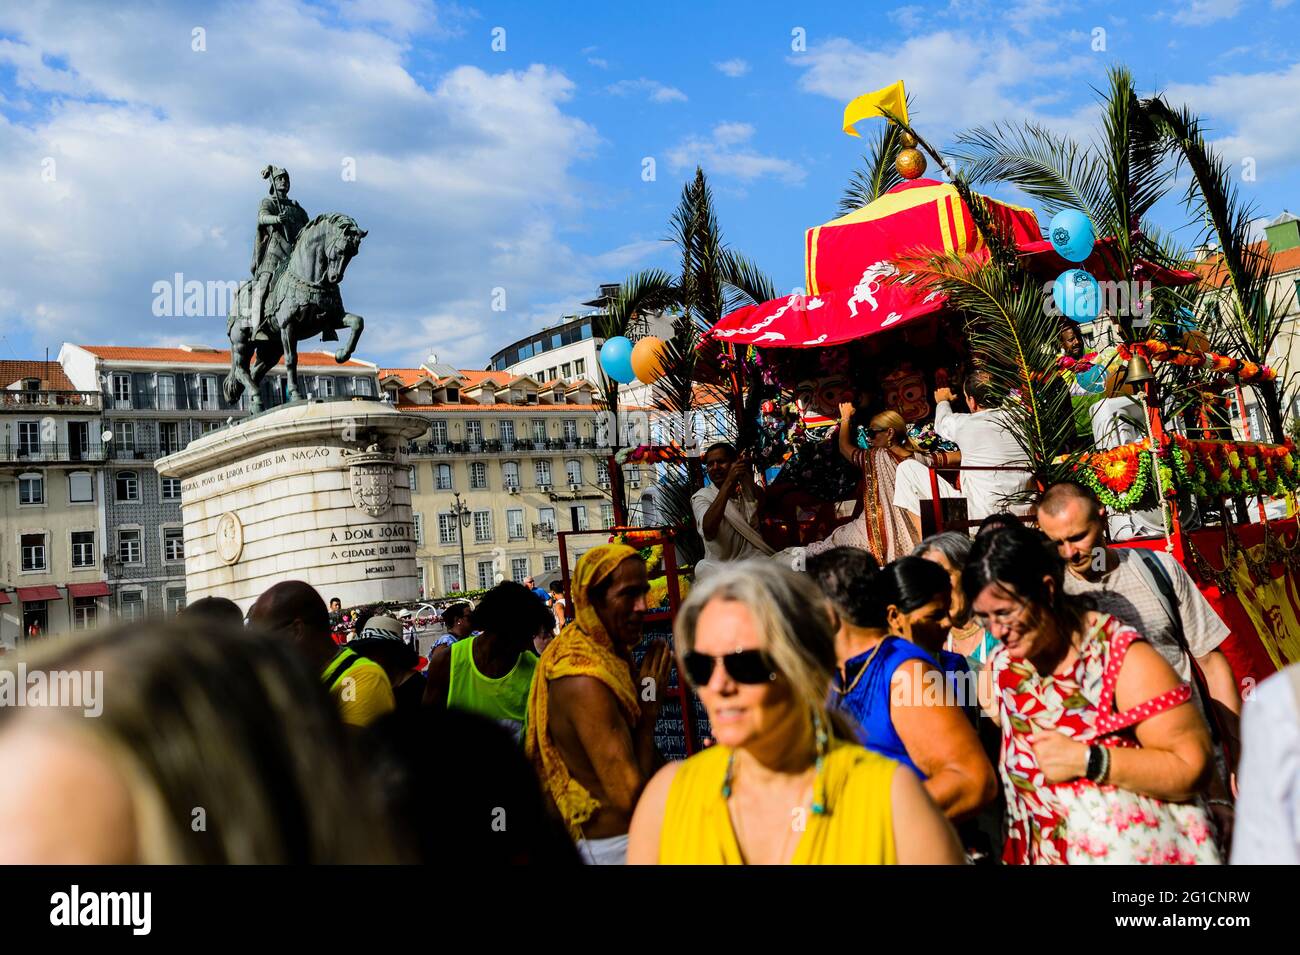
(892, 98)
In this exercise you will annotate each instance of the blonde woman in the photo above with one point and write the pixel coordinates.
(207, 745)
(784, 782)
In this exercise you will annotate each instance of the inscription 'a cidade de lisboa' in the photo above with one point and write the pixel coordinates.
(279, 458)
(357, 543)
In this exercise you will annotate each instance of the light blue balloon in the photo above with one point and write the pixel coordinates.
(616, 359)
(1072, 235)
(1077, 295)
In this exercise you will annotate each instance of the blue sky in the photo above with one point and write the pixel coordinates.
(127, 156)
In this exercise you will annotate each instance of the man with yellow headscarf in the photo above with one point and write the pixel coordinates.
(591, 718)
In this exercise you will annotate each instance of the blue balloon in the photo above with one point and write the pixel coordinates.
(616, 359)
(1072, 235)
(1093, 380)
(1077, 295)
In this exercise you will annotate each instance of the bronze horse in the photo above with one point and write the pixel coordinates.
(303, 302)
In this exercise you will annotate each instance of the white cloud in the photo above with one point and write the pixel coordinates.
(657, 92)
(733, 68)
(1201, 12)
(725, 154)
(465, 181)
(1252, 107)
(598, 62)
(909, 18)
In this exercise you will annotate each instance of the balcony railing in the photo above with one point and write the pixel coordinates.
(138, 451)
(89, 400)
(52, 453)
(498, 447)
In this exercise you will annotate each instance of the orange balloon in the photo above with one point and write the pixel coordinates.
(649, 357)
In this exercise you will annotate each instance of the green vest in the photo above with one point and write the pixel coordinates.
(504, 700)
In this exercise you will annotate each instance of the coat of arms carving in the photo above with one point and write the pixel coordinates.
(372, 479)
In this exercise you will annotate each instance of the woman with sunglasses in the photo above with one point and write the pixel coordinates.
(785, 782)
(1103, 756)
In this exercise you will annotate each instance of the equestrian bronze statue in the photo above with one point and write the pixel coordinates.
(297, 268)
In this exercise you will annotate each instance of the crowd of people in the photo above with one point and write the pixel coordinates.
(1024, 695)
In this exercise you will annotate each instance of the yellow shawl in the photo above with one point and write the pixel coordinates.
(583, 648)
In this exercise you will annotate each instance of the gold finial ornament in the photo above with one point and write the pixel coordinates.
(910, 163)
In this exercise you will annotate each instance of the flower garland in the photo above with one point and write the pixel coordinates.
(1246, 372)
(1120, 476)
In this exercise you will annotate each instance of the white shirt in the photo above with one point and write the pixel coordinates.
(1118, 421)
(729, 544)
(985, 440)
(1267, 828)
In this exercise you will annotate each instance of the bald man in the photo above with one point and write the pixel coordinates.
(359, 686)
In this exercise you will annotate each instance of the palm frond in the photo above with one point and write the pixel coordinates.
(877, 174)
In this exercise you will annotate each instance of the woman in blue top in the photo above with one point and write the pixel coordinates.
(882, 682)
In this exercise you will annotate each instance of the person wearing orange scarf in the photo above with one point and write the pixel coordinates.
(590, 718)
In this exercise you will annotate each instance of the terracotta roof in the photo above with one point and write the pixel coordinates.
(407, 376)
(50, 374)
(1287, 260)
(182, 356)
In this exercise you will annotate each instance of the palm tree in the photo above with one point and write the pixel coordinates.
(1115, 182)
(712, 281)
(1241, 317)
(877, 174)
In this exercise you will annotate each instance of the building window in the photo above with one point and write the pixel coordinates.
(124, 437)
(33, 552)
(361, 386)
(506, 430)
(81, 487)
(173, 544)
(510, 474)
(210, 426)
(450, 577)
(128, 486)
(415, 478)
(131, 605)
(570, 429)
(85, 613)
(542, 470)
(578, 515)
(208, 392)
(477, 475)
(519, 569)
(29, 437)
(580, 367)
(546, 517)
(171, 489)
(325, 386)
(419, 529)
(175, 601)
(550, 562)
(438, 432)
(129, 550)
(444, 477)
(515, 523)
(607, 514)
(539, 430)
(573, 471)
(482, 526)
(31, 488)
(446, 528)
(551, 373)
(566, 370)
(166, 392)
(485, 575)
(122, 391)
(83, 548)
(474, 432)
(169, 437)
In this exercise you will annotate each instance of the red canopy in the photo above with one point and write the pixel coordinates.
(853, 290)
(4, 597)
(98, 589)
(28, 594)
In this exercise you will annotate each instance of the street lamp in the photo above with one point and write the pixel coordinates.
(462, 514)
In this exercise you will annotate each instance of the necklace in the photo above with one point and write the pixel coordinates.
(739, 819)
(865, 664)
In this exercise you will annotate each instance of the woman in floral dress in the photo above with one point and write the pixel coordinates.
(1103, 759)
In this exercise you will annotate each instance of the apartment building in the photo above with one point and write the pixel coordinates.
(154, 402)
(508, 462)
(51, 502)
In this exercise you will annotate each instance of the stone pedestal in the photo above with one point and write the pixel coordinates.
(318, 491)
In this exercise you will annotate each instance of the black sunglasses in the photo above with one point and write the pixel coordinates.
(743, 666)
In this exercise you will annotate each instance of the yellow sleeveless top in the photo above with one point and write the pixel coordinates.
(857, 830)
